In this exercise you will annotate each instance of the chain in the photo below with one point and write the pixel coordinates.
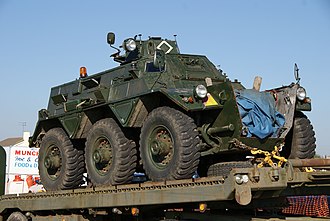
(269, 157)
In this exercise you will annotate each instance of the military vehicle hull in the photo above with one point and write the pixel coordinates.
(161, 112)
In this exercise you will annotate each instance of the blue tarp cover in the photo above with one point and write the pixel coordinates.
(258, 113)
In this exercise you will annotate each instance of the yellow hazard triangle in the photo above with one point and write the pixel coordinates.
(209, 101)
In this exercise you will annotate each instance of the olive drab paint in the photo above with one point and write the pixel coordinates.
(153, 74)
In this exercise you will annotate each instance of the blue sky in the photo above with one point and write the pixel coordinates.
(43, 44)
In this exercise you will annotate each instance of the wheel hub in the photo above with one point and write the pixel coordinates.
(102, 155)
(162, 143)
(52, 162)
(161, 147)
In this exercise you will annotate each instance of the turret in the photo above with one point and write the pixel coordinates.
(136, 48)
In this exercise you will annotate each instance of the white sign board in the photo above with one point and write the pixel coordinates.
(23, 160)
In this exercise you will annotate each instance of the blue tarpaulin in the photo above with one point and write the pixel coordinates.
(258, 113)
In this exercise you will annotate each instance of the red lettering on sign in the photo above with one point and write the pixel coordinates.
(26, 153)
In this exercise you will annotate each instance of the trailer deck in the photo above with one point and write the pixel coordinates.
(243, 188)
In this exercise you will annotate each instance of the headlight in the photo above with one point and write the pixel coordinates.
(130, 44)
(301, 94)
(201, 91)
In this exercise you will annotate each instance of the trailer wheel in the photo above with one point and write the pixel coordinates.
(110, 157)
(169, 145)
(301, 138)
(17, 216)
(61, 166)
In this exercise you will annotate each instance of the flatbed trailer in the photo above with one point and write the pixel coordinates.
(245, 194)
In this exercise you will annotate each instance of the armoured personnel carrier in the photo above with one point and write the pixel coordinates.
(165, 113)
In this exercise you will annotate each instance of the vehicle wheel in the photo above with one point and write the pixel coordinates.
(17, 216)
(61, 166)
(110, 157)
(169, 145)
(302, 139)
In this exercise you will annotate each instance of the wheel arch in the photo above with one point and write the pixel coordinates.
(84, 121)
(128, 114)
(41, 129)
(147, 103)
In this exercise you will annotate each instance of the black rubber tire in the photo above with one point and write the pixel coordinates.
(302, 139)
(224, 168)
(70, 173)
(179, 132)
(107, 135)
(17, 216)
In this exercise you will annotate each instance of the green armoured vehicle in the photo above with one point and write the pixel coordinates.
(164, 113)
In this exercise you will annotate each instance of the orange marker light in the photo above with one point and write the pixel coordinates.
(135, 211)
(191, 100)
(83, 72)
(202, 207)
